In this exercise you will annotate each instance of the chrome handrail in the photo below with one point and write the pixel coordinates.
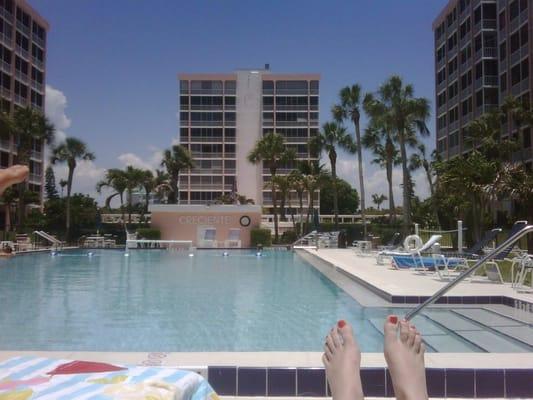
(525, 230)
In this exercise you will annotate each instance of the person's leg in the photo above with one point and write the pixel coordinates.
(404, 353)
(342, 359)
(12, 175)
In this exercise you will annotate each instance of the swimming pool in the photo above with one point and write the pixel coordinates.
(167, 301)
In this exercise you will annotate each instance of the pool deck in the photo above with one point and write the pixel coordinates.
(389, 282)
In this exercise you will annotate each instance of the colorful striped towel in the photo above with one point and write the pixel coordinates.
(23, 378)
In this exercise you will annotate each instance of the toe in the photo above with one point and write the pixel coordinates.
(411, 336)
(346, 332)
(337, 341)
(417, 342)
(404, 331)
(325, 360)
(422, 349)
(330, 343)
(390, 329)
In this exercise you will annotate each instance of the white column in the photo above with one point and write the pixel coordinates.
(459, 236)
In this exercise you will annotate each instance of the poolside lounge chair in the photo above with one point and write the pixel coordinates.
(413, 252)
(392, 244)
(234, 239)
(476, 250)
(208, 238)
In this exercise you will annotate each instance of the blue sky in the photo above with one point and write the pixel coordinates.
(112, 65)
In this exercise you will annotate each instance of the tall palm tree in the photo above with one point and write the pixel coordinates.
(175, 160)
(332, 136)
(134, 178)
(149, 184)
(520, 115)
(314, 175)
(162, 187)
(379, 139)
(407, 115)
(26, 126)
(282, 186)
(9, 197)
(69, 152)
(272, 151)
(297, 181)
(116, 180)
(349, 108)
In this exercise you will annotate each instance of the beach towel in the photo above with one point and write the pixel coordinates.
(24, 378)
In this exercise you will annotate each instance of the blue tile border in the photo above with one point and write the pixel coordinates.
(449, 383)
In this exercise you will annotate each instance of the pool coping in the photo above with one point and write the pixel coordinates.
(295, 374)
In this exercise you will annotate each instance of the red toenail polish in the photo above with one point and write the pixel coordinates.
(341, 323)
(393, 319)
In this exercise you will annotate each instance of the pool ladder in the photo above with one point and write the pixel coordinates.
(509, 242)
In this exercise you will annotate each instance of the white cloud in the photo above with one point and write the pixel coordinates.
(152, 162)
(55, 105)
(86, 175)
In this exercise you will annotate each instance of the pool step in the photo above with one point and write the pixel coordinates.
(477, 333)
(513, 328)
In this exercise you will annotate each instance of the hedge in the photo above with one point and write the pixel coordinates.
(149, 233)
(261, 236)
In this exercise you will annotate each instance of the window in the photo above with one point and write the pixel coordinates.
(441, 53)
(452, 41)
(477, 15)
(515, 74)
(466, 53)
(454, 139)
(514, 10)
(523, 5)
(466, 80)
(525, 69)
(230, 87)
(465, 28)
(451, 17)
(441, 76)
(526, 133)
(441, 122)
(453, 115)
(291, 86)
(479, 70)
(503, 82)
(441, 99)
(184, 86)
(463, 5)
(441, 146)
(479, 98)
(206, 87)
(229, 101)
(314, 85)
(466, 106)
(503, 51)
(478, 43)
(501, 20)
(453, 90)
(524, 35)
(452, 66)
(515, 42)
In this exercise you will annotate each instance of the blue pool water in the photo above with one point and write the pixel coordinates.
(167, 301)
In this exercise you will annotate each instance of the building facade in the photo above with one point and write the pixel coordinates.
(22, 76)
(483, 54)
(222, 116)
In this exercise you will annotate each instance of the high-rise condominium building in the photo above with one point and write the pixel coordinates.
(222, 116)
(483, 54)
(22, 76)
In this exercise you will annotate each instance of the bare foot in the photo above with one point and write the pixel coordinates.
(405, 358)
(12, 175)
(342, 359)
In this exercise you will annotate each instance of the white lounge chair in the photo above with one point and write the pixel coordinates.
(234, 239)
(412, 252)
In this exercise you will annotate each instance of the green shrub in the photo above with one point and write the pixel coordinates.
(261, 236)
(149, 233)
(288, 237)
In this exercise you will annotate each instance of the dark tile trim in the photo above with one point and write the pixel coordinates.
(291, 382)
(508, 301)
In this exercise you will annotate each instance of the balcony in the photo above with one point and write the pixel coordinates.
(466, 118)
(35, 178)
(36, 155)
(520, 87)
(230, 92)
(441, 132)
(452, 76)
(39, 87)
(440, 63)
(502, 4)
(39, 41)
(313, 92)
(453, 151)
(465, 40)
(207, 123)
(486, 52)
(453, 101)
(6, 14)
(37, 106)
(4, 66)
(293, 92)
(279, 171)
(230, 107)
(522, 155)
(488, 80)
(21, 101)
(38, 63)
(203, 107)
(290, 107)
(206, 171)
(503, 65)
(6, 40)
(452, 52)
(441, 86)
(207, 91)
(206, 139)
(22, 52)
(524, 15)
(23, 28)
(208, 186)
(268, 91)
(5, 144)
(21, 76)
(485, 109)
(519, 54)
(199, 154)
(466, 92)
(5, 92)
(296, 139)
(453, 126)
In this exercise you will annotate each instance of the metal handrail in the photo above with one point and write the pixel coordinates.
(512, 240)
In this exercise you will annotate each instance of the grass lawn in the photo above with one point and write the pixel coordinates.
(505, 268)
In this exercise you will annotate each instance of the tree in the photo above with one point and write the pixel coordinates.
(377, 199)
(314, 175)
(297, 183)
(349, 108)
(175, 160)
(70, 152)
(378, 138)
(407, 115)
(134, 179)
(520, 114)
(27, 126)
(63, 184)
(9, 198)
(273, 153)
(348, 198)
(83, 213)
(50, 184)
(116, 180)
(282, 185)
(149, 184)
(161, 182)
(333, 136)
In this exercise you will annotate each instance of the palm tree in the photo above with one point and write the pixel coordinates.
(272, 151)
(149, 184)
(282, 186)
(134, 178)
(520, 115)
(332, 136)
(377, 199)
(9, 197)
(407, 115)
(27, 126)
(174, 160)
(349, 108)
(162, 187)
(378, 138)
(297, 181)
(69, 152)
(63, 184)
(314, 175)
(116, 180)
